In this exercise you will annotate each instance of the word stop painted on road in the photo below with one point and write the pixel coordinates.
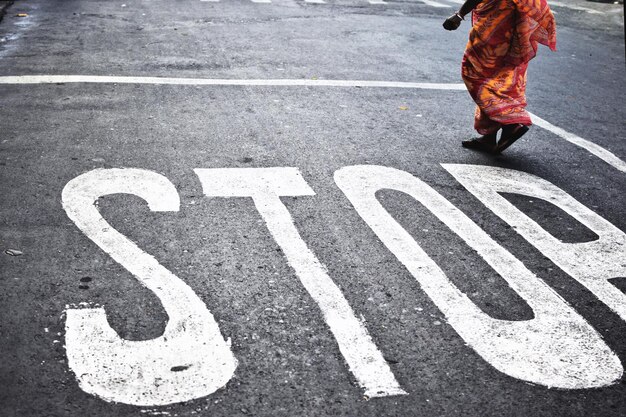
(557, 348)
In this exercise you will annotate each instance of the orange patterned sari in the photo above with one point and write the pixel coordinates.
(504, 37)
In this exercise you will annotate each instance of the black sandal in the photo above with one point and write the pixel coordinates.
(519, 131)
(479, 144)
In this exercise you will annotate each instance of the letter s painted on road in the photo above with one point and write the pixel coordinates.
(140, 372)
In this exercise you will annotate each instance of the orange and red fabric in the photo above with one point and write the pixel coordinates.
(504, 37)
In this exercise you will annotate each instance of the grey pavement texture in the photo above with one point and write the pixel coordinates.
(289, 363)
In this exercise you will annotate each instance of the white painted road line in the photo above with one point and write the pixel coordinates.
(56, 79)
(604, 154)
(574, 7)
(436, 4)
(265, 186)
(596, 150)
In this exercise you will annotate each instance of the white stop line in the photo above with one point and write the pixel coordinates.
(602, 153)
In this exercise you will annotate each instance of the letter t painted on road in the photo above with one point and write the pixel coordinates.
(265, 186)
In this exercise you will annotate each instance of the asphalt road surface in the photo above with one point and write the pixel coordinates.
(234, 207)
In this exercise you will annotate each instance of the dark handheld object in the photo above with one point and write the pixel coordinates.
(453, 22)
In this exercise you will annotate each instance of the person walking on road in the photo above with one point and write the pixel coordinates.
(504, 37)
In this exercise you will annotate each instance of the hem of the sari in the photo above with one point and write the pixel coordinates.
(496, 122)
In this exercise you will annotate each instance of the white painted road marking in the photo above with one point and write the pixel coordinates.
(432, 3)
(590, 263)
(597, 150)
(573, 7)
(436, 4)
(265, 186)
(557, 348)
(55, 79)
(604, 154)
(374, 2)
(191, 359)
